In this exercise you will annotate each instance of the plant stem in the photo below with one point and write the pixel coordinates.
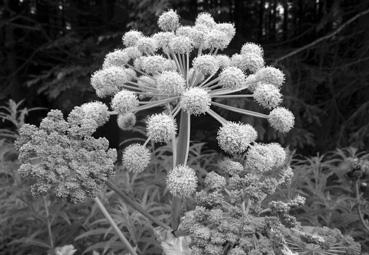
(125, 197)
(48, 223)
(114, 226)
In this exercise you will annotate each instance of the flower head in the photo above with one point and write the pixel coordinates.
(205, 19)
(131, 37)
(215, 181)
(170, 83)
(223, 60)
(163, 39)
(96, 111)
(147, 45)
(206, 64)
(168, 21)
(195, 101)
(252, 48)
(259, 158)
(227, 28)
(126, 121)
(216, 39)
(235, 138)
(232, 78)
(231, 167)
(182, 181)
(267, 95)
(281, 119)
(107, 82)
(278, 152)
(161, 128)
(116, 58)
(153, 64)
(181, 44)
(136, 158)
(124, 101)
(271, 75)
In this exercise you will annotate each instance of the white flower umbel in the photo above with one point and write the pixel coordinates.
(161, 127)
(136, 158)
(182, 181)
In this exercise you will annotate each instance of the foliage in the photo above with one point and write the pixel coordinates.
(328, 183)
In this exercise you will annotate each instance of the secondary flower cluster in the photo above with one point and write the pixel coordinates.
(180, 70)
(228, 217)
(63, 158)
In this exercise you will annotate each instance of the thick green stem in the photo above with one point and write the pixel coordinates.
(51, 239)
(115, 227)
(183, 147)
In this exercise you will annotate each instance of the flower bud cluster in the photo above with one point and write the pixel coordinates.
(61, 157)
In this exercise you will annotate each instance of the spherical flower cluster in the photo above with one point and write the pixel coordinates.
(278, 152)
(251, 82)
(124, 101)
(107, 82)
(267, 95)
(147, 45)
(270, 75)
(195, 101)
(131, 74)
(130, 38)
(281, 119)
(215, 181)
(96, 111)
(205, 19)
(223, 60)
(181, 44)
(169, 65)
(126, 121)
(227, 28)
(136, 158)
(260, 158)
(70, 165)
(163, 39)
(231, 167)
(161, 128)
(153, 64)
(252, 48)
(182, 181)
(232, 78)
(252, 62)
(132, 52)
(216, 39)
(116, 58)
(206, 64)
(235, 138)
(170, 83)
(168, 21)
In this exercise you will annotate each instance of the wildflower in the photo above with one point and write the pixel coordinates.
(281, 119)
(231, 167)
(168, 21)
(206, 64)
(260, 158)
(71, 164)
(182, 181)
(124, 101)
(169, 65)
(136, 158)
(227, 28)
(131, 37)
(147, 45)
(170, 83)
(267, 95)
(195, 101)
(235, 138)
(252, 62)
(278, 152)
(107, 82)
(132, 52)
(232, 78)
(251, 82)
(163, 39)
(161, 127)
(116, 58)
(215, 181)
(126, 121)
(205, 19)
(270, 75)
(153, 64)
(181, 44)
(252, 48)
(131, 74)
(223, 60)
(216, 39)
(96, 111)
